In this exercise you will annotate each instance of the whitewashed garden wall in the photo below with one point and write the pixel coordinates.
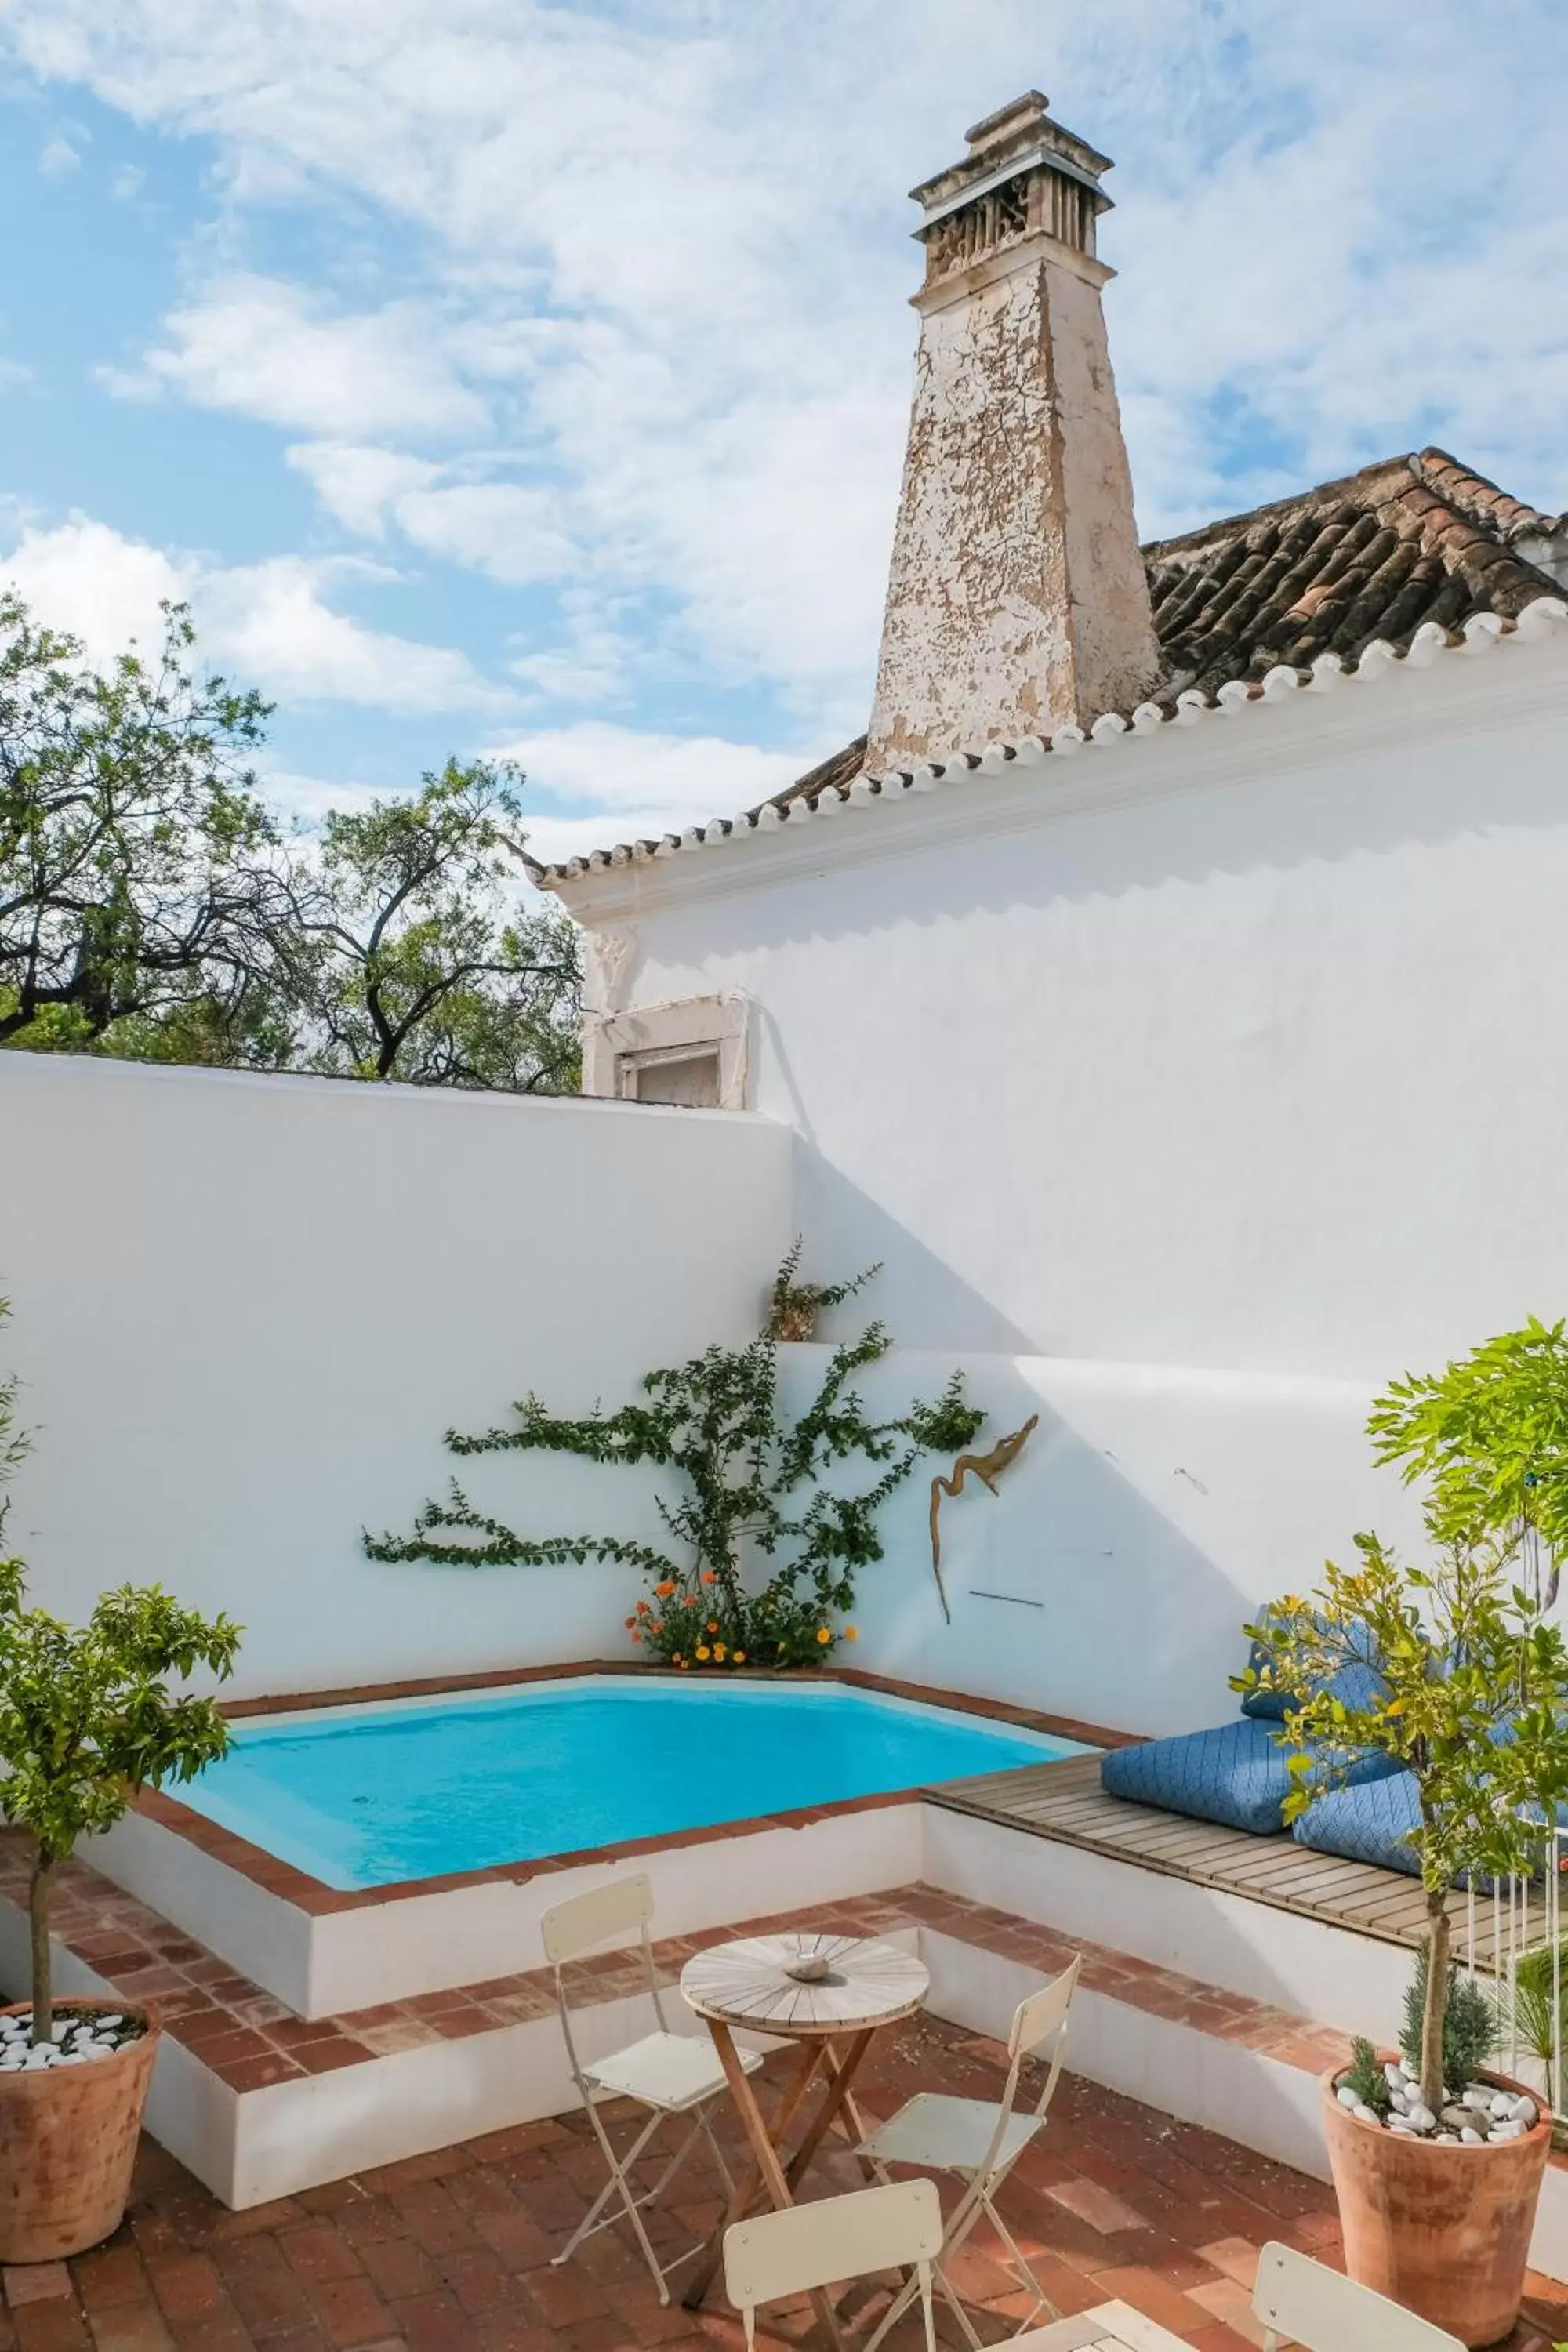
(245, 1309)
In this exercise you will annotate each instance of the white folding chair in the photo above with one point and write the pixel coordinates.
(812, 2246)
(668, 2074)
(1299, 2299)
(978, 2141)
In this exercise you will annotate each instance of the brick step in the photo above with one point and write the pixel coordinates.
(260, 2103)
(250, 2040)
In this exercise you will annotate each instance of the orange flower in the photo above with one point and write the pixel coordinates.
(642, 1608)
(703, 1653)
(636, 1637)
(688, 1602)
(665, 1588)
(684, 1664)
(630, 1622)
(740, 1657)
(657, 1625)
(707, 1576)
(712, 1624)
(825, 1632)
(850, 1635)
(719, 1652)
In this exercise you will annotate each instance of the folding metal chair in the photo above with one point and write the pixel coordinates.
(1300, 2300)
(810, 2246)
(978, 2141)
(669, 2074)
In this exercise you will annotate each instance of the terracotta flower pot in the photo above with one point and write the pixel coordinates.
(67, 2141)
(1443, 2231)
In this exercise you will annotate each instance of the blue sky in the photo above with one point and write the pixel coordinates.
(500, 377)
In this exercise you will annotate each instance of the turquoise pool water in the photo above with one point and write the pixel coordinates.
(367, 1796)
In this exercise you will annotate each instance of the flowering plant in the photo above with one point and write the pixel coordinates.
(765, 1554)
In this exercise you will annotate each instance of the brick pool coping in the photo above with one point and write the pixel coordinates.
(250, 2040)
(290, 1885)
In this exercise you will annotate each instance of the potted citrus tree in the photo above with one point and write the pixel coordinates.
(88, 1717)
(1437, 2166)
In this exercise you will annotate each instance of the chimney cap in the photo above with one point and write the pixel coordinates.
(1028, 110)
(1019, 137)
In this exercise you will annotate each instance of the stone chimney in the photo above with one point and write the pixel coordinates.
(1016, 600)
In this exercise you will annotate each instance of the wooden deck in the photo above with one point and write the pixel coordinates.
(1064, 1801)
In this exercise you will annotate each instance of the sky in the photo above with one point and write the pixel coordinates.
(494, 378)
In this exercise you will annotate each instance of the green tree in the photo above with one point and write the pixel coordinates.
(86, 1719)
(152, 906)
(1489, 1434)
(764, 1550)
(139, 882)
(416, 957)
(1474, 1705)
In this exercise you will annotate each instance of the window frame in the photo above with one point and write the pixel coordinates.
(616, 1044)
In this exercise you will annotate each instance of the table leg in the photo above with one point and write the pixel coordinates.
(838, 2104)
(774, 2177)
(753, 2176)
(841, 2075)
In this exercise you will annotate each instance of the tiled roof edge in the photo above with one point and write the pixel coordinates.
(1471, 494)
(1479, 632)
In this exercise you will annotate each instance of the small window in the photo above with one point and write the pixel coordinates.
(682, 1074)
(693, 1053)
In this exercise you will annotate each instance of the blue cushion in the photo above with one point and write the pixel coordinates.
(1356, 1685)
(1369, 1823)
(1265, 1705)
(1372, 1823)
(1235, 1774)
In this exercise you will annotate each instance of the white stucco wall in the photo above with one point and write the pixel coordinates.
(245, 1309)
(1230, 1047)
(1189, 1090)
(1151, 1513)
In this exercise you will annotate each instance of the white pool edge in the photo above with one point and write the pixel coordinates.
(332, 1963)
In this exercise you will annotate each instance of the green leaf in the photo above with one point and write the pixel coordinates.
(749, 1488)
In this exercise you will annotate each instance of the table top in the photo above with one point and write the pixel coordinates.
(868, 1983)
(1109, 2327)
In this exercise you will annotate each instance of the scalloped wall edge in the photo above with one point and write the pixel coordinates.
(1329, 672)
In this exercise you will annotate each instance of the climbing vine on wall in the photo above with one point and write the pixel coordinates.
(764, 1544)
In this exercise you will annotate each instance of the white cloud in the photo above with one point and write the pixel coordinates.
(649, 336)
(305, 800)
(84, 579)
(358, 485)
(270, 622)
(58, 159)
(263, 348)
(127, 183)
(506, 528)
(635, 784)
(511, 530)
(597, 661)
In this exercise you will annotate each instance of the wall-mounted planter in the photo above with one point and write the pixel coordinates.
(791, 1322)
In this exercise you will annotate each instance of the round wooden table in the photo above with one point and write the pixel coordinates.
(866, 1985)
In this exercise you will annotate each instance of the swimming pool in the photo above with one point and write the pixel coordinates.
(407, 1788)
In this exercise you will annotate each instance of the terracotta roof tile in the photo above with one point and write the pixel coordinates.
(1414, 540)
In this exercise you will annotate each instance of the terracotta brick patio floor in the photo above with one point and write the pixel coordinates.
(450, 2252)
